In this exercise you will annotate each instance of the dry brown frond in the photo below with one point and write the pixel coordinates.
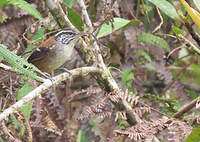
(122, 114)
(178, 131)
(140, 111)
(52, 103)
(118, 96)
(192, 117)
(95, 109)
(144, 130)
(50, 126)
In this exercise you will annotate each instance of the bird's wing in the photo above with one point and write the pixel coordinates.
(42, 50)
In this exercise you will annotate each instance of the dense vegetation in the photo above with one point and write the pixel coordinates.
(135, 77)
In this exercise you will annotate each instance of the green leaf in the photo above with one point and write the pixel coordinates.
(194, 136)
(69, 3)
(197, 3)
(75, 19)
(39, 35)
(27, 7)
(183, 53)
(22, 131)
(149, 38)
(20, 64)
(81, 136)
(127, 77)
(14, 121)
(118, 23)
(1, 58)
(28, 50)
(27, 108)
(1, 139)
(177, 30)
(143, 53)
(166, 8)
(3, 2)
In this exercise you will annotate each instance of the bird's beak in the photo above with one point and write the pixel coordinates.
(83, 34)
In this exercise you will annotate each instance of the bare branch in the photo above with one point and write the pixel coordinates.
(47, 84)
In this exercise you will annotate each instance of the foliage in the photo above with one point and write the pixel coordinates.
(144, 54)
(167, 105)
(147, 73)
(166, 8)
(17, 124)
(194, 136)
(14, 121)
(81, 136)
(39, 35)
(118, 23)
(23, 5)
(190, 75)
(75, 19)
(69, 3)
(195, 15)
(149, 38)
(127, 78)
(27, 108)
(20, 64)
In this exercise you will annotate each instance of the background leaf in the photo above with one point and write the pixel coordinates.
(197, 3)
(143, 53)
(3, 2)
(194, 136)
(192, 12)
(75, 19)
(106, 29)
(127, 77)
(27, 7)
(38, 36)
(149, 38)
(69, 3)
(81, 136)
(166, 8)
(27, 108)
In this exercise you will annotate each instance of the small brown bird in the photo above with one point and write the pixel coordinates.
(55, 51)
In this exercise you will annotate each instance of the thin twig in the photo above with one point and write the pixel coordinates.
(186, 108)
(161, 21)
(195, 48)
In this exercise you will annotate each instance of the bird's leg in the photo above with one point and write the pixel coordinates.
(65, 70)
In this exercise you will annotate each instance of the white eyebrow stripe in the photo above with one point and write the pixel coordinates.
(65, 36)
(69, 32)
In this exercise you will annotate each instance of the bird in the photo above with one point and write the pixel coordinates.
(55, 51)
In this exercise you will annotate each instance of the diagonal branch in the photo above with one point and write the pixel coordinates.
(47, 84)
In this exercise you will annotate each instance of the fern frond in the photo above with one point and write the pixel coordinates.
(149, 38)
(20, 64)
(119, 96)
(95, 110)
(144, 130)
(192, 75)
(122, 114)
(140, 111)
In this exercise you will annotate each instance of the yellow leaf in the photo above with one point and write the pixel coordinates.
(192, 12)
